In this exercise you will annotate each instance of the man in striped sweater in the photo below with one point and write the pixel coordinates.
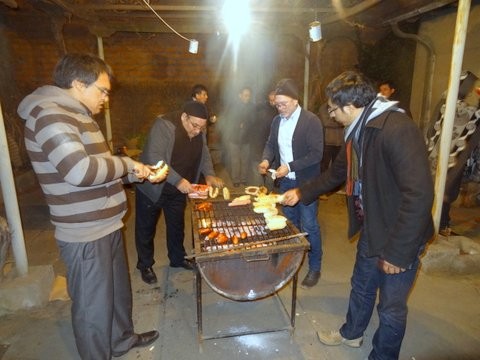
(82, 183)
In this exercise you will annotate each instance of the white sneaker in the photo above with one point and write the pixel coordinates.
(333, 337)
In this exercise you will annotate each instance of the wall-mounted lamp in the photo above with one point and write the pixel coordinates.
(315, 31)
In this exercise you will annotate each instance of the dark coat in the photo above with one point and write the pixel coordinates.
(159, 146)
(260, 129)
(236, 124)
(397, 189)
(307, 144)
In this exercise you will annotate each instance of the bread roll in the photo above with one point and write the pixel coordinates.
(161, 169)
(241, 200)
(270, 212)
(260, 209)
(276, 222)
(271, 198)
(226, 193)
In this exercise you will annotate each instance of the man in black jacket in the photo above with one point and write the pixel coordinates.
(294, 149)
(390, 194)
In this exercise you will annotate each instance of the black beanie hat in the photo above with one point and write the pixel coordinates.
(196, 109)
(288, 88)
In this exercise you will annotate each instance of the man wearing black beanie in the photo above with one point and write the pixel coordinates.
(294, 150)
(179, 139)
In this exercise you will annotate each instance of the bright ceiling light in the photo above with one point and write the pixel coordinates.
(237, 18)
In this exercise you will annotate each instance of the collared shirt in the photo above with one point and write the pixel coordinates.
(285, 136)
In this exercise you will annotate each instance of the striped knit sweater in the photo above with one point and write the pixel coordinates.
(80, 178)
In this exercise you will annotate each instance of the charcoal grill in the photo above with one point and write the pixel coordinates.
(256, 267)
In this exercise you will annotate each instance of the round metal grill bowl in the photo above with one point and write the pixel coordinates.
(251, 275)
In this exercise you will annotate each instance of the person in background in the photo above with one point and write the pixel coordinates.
(294, 149)
(333, 132)
(235, 131)
(82, 183)
(465, 126)
(389, 197)
(200, 93)
(333, 140)
(258, 134)
(387, 89)
(179, 139)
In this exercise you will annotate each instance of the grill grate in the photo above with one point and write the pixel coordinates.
(236, 221)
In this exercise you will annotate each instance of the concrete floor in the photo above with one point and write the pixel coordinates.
(444, 317)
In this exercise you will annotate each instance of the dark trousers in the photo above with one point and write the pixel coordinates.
(452, 189)
(173, 204)
(366, 280)
(239, 155)
(330, 152)
(99, 286)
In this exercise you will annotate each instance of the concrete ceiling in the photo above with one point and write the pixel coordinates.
(203, 16)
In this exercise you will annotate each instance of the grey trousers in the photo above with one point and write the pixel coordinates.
(239, 162)
(99, 286)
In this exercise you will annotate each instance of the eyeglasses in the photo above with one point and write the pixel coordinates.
(196, 126)
(331, 110)
(104, 91)
(282, 104)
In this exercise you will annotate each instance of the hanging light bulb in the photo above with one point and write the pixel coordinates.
(193, 46)
(315, 31)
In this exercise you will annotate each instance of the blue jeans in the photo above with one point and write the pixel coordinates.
(304, 217)
(392, 310)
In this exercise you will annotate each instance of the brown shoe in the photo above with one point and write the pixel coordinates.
(311, 279)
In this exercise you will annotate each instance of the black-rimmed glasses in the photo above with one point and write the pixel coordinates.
(196, 126)
(331, 110)
(104, 91)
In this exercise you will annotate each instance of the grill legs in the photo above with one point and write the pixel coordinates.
(198, 286)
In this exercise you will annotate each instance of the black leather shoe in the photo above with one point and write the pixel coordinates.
(186, 264)
(148, 275)
(311, 279)
(146, 338)
(143, 339)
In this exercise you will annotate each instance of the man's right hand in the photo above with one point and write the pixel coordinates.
(141, 171)
(185, 187)
(291, 197)
(263, 167)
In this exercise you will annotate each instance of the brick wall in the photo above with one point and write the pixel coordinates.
(154, 72)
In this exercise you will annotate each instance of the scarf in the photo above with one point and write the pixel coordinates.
(354, 150)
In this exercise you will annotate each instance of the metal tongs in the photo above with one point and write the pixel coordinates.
(273, 173)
